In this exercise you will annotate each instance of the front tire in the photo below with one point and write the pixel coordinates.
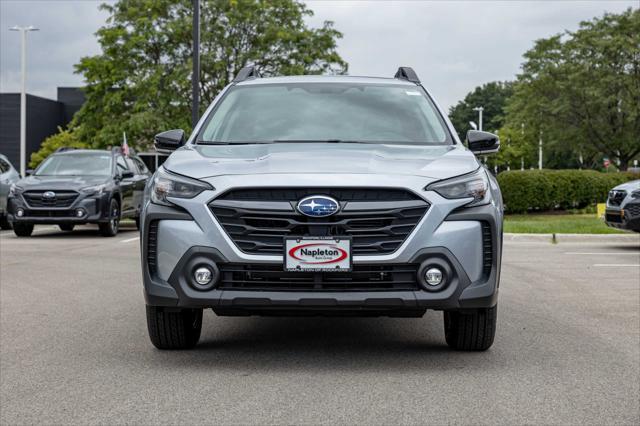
(66, 227)
(170, 329)
(470, 331)
(110, 229)
(23, 229)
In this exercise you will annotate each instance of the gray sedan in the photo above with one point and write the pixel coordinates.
(8, 175)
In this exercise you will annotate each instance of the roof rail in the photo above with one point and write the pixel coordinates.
(407, 73)
(65, 148)
(246, 73)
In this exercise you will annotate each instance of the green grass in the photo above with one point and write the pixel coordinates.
(557, 224)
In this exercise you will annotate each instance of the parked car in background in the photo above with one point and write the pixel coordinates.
(8, 176)
(623, 206)
(323, 195)
(77, 186)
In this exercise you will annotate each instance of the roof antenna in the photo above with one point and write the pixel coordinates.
(407, 73)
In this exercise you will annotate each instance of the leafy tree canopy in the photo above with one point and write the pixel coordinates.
(580, 91)
(492, 97)
(141, 82)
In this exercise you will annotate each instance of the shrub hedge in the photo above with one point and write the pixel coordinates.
(525, 190)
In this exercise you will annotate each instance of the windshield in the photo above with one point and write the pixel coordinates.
(325, 112)
(80, 164)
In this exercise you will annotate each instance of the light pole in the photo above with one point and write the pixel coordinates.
(540, 151)
(23, 98)
(195, 76)
(522, 134)
(479, 109)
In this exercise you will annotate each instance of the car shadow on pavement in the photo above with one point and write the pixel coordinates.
(84, 232)
(366, 344)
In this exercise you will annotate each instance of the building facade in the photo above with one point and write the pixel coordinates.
(44, 116)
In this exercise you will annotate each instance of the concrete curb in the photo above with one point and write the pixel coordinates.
(574, 238)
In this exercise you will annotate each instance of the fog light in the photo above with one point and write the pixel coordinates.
(433, 276)
(20, 212)
(79, 212)
(203, 275)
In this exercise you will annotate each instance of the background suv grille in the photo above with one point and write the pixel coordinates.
(362, 277)
(378, 220)
(62, 199)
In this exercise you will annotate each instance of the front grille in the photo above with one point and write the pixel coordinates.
(378, 220)
(487, 249)
(616, 197)
(152, 247)
(613, 217)
(361, 278)
(340, 194)
(632, 210)
(61, 199)
(50, 213)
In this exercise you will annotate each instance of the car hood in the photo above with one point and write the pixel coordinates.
(629, 186)
(60, 182)
(436, 162)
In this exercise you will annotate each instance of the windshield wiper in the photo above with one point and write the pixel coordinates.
(283, 141)
(318, 141)
(230, 143)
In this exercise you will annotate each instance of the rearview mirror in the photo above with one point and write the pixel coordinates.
(482, 142)
(168, 141)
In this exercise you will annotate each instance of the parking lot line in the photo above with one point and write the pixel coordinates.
(637, 265)
(128, 240)
(611, 253)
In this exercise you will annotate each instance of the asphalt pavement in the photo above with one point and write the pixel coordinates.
(74, 347)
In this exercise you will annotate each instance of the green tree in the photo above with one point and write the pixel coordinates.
(141, 82)
(492, 97)
(64, 138)
(580, 92)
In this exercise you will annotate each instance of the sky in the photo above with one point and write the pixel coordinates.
(454, 46)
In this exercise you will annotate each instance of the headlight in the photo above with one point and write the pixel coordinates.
(473, 185)
(94, 190)
(167, 184)
(636, 193)
(15, 189)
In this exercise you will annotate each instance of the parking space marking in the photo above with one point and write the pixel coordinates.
(616, 265)
(128, 240)
(611, 253)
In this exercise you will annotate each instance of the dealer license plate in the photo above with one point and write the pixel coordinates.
(317, 254)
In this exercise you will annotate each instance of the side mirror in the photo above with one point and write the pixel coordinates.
(168, 141)
(28, 172)
(482, 143)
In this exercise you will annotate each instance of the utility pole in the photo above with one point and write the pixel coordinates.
(522, 134)
(23, 98)
(480, 109)
(195, 76)
(540, 151)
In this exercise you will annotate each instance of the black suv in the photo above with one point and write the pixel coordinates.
(78, 186)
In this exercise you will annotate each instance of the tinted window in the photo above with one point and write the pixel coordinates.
(132, 165)
(377, 113)
(77, 164)
(141, 166)
(121, 165)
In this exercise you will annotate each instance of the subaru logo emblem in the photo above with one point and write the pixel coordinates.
(49, 195)
(318, 206)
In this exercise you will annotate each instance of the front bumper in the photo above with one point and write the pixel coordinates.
(467, 241)
(626, 216)
(95, 208)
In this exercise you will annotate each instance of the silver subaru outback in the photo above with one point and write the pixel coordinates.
(322, 195)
